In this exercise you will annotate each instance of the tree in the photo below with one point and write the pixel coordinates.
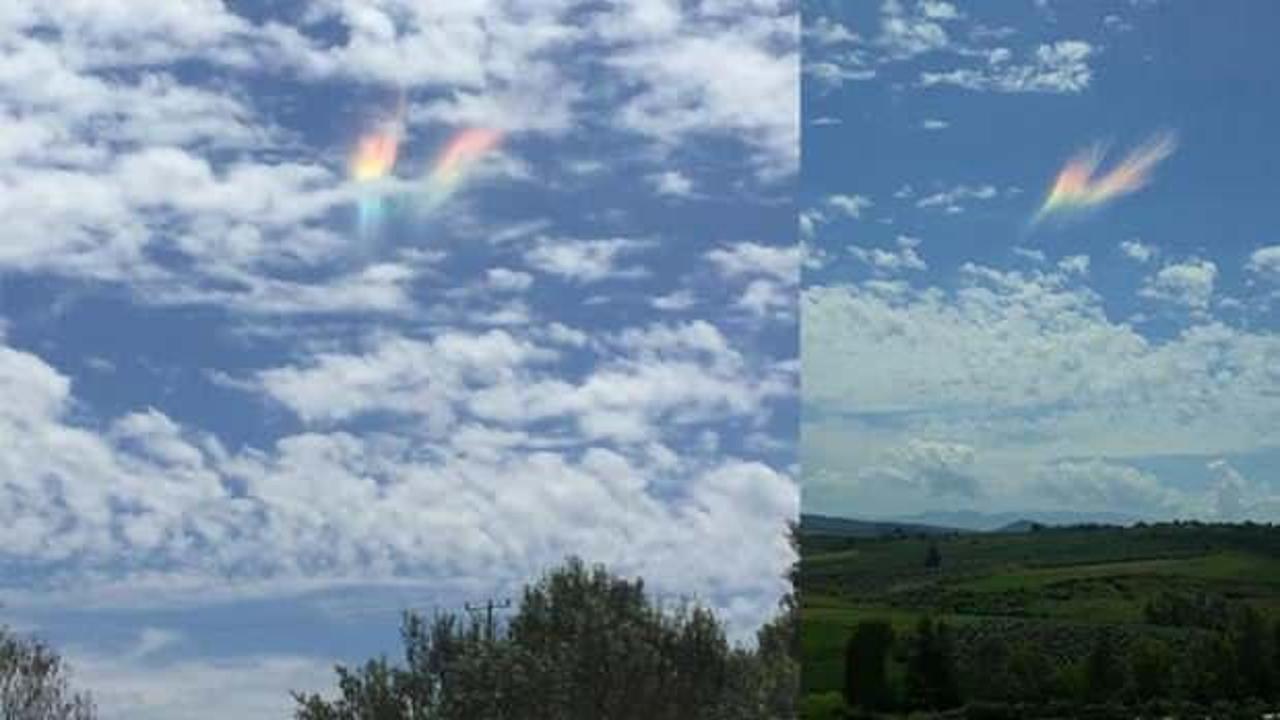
(1207, 671)
(931, 668)
(988, 673)
(778, 647)
(1151, 666)
(1104, 670)
(1255, 669)
(34, 683)
(1031, 673)
(933, 558)
(583, 645)
(866, 682)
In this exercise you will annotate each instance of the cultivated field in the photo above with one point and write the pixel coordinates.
(1055, 591)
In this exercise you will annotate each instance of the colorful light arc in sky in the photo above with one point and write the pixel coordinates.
(456, 161)
(375, 157)
(1077, 189)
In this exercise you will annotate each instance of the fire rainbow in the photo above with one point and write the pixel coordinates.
(1077, 190)
(455, 162)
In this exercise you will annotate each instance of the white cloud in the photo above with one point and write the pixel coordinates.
(825, 31)
(1074, 265)
(1060, 67)
(675, 301)
(950, 200)
(672, 183)
(145, 510)
(585, 260)
(1188, 284)
(728, 70)
(771, 274)
(254, 686)
(1028, 370)
(397, 374)
(831, 206)
(1030, 362)
(937, 468)
(1035, 256)
(1137, 250)
(904, 258)
(907, 33)
(1266, 262)
(1228, 490)
(1232, 497)
(934, 124)
(747, 258)
(848, 205)
(1104, 486)
(507, 280)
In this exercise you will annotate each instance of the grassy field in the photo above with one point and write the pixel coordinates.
(1051, 586)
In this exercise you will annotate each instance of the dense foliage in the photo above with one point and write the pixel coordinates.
(1236, 668)
(34, 684)
(583, 644)
(1174, 620)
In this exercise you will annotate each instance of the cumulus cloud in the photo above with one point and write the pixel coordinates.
(146, 497)
(1104, 486)
(832, 207)
(748, 258)
(585, 260)
(672, 183)
(890, 261)
(707, 70)
(1024, 357)
(1139, 251)
(771, 274)
(1265, 262)
(910, 30)
(1188, 284)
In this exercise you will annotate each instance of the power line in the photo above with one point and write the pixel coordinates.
(488, 607)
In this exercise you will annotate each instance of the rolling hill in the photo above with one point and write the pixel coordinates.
(1058, 589)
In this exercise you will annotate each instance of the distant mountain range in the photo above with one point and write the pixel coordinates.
(947, 522)
(850, 527)
(980, 521)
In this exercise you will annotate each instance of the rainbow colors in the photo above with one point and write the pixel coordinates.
(1076, 189)
(453, 163)
(373, 160)
(375, 156)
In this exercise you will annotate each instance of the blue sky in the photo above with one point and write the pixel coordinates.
(240, 436)
(955, 356)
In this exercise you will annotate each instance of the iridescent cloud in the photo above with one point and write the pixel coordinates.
(1077, 189)
(373, 160)
(456, 161)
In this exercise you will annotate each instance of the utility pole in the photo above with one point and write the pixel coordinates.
(488, 607)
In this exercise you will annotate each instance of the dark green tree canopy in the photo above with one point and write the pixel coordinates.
(583, 645)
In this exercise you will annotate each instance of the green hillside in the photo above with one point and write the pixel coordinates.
(1052, 594)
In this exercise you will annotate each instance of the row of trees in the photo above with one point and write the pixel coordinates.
(583, 645)
(1240, 663)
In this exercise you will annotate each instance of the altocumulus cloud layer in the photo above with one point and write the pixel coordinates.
(953, 357)
(219, 395)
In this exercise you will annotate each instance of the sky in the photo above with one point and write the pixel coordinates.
(314, 312)
(1041, 265)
